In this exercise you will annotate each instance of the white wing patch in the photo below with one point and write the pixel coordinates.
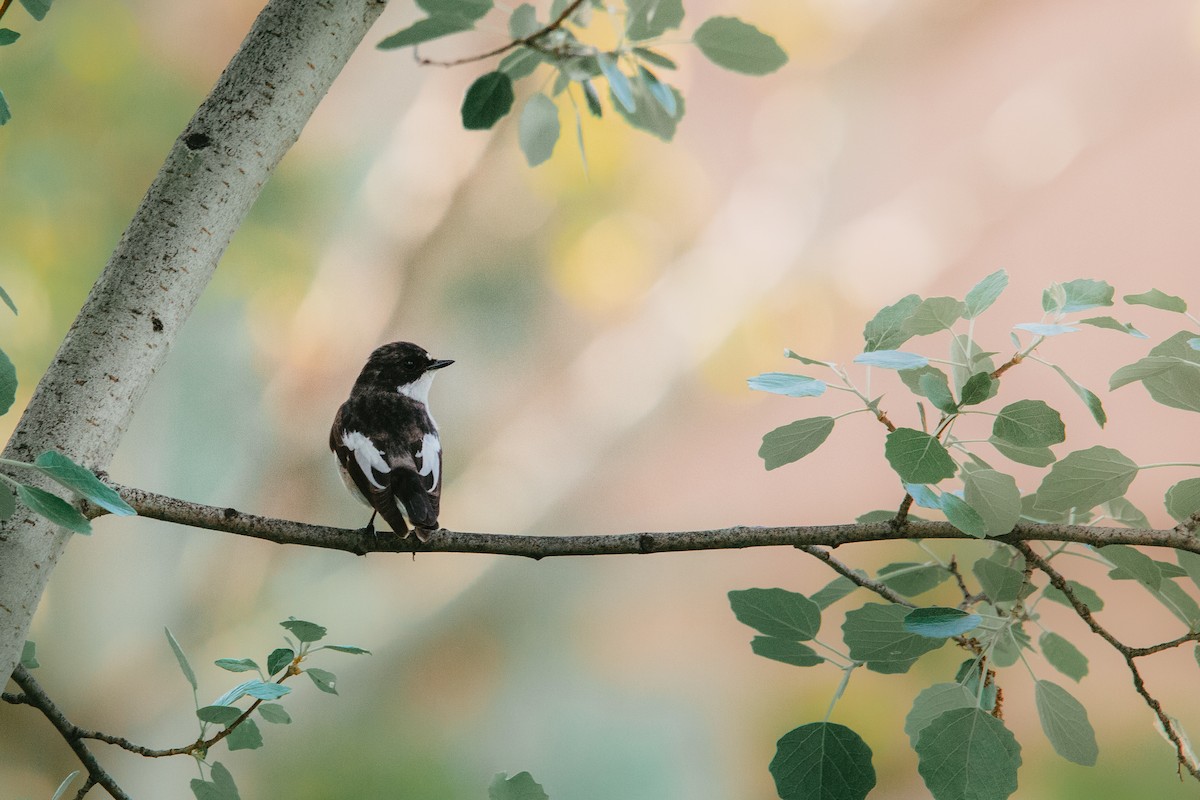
(430, 456)
(367, 455)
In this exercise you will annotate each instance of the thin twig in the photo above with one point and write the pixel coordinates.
(528, 41)
(37, 697)
(1128, 653)
(844, 570)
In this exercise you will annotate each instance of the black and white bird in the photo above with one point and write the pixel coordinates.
(387, 443)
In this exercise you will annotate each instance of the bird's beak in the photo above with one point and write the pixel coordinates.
(445, 362)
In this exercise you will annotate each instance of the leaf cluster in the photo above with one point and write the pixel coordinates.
(956, 727)
(629, 71)
(38, 9)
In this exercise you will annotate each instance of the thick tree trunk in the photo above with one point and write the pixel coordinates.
(164, 261)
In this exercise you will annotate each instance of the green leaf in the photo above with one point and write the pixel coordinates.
(960, 514)
(887, 329)
(523, 21)
(61, 791)
(83, 482)
(221, 787)
(488, 99)
(649, 19)
(911, 579)
(274, 713)
(875, 634)
(929, 381)
(29, 655)
(787, 384)
(660, 91)
(1176, 388)
(933, 315)
(346, 648)
(1085, 479)
(655, 58)
(979, 387)
(1108, 323)
(1065, 723)
(789, 652)
(1156, 299)
(967, 754)
(822, 760)
(8, 301)
(5, 111)
(279, 659)
(1086, 395)
(737, 46)
(940, 623)
(1134, 563)
(219, 715)
(970, 672)
(1045, 329)
(618, 82)
(538, 129)
(463, 9)
(324, 680)
(891, 359)
(37, 8)
(304, 631)
(923, 496)
(1029, 423)
(8, 36)
(794, 441)
(833, 591)
(54, 508)
(1150, 367)
(521, 786)
(520, 63)
(1077, 295)
(264, 690)
(8, 503)
(1002, 584)
(1126, 513)
(1063, 656)
(1033, 456)
(184, 666)
(1183, 499)
(931, 703)
(968, 360)
(8, 373)
(649, 115)
(1083, 593)
(1177, 601)
(984, 293)
(246, 736)
(995, 497)
(777, 612)
(237, 664)
(425, 30)
(917, 457)
(593, 99)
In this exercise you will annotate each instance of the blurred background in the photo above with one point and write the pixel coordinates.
(603, 326)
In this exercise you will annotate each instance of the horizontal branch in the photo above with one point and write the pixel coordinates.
(360, 541)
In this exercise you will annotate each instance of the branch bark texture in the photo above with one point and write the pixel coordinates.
(165, 259)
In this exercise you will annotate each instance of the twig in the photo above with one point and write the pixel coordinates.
(844, 570)
(73, 734)
(1128, 653)
(360, 541)
(528, 41)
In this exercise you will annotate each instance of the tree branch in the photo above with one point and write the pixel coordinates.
(530, 41)
(73, 734)
(845, 571)
(360, 542)
(1128, 653)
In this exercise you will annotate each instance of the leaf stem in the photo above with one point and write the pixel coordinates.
(841, 687)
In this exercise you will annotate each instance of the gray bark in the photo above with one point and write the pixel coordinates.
(163, 262)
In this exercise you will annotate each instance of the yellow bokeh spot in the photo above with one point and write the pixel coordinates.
(609, 266)
(99, 48)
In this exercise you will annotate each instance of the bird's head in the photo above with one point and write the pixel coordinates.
(401, 366)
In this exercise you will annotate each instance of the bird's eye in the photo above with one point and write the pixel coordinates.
(410, 363)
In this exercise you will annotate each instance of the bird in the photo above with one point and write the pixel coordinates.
(387, 445)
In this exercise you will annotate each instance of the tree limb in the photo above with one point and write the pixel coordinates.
(361, 542)
(211, 178)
